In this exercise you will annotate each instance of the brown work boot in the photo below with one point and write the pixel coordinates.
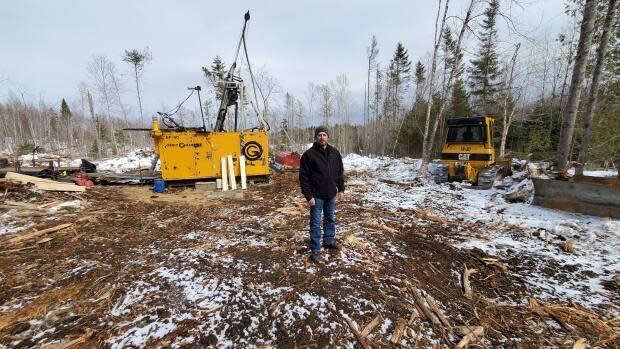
(334, 246)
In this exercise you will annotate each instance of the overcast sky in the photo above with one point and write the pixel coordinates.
(47, 45)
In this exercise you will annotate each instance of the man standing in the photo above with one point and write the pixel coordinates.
(321, 177)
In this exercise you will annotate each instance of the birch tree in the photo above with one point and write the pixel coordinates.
(509, 103)
(430, 134)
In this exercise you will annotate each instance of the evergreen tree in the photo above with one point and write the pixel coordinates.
(420, 79)
(459, 104)
(217, 72)
(138, 59)
(485, 70)
(460, 100)
(399, 75)
(65, 112)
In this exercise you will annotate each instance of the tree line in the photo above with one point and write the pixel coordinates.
(554, 99)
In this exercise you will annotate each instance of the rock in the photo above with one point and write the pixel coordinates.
(522, 194)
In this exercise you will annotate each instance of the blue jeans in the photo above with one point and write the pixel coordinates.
(328, 208)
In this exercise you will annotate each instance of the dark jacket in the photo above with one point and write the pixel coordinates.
(321, 173)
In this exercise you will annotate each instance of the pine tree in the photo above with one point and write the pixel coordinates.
(217, 72)
(65, 115)
(65, 112)
(138, 59)
(460, 100)
(485, 71)
(399, 74)
(419, 75)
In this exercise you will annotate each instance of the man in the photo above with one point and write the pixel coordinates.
(321, 177)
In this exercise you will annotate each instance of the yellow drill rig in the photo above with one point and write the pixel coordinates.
(469, 154)
(190, 154)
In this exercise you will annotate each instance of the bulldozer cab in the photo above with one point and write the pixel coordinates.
(468, 147)
(470, 130)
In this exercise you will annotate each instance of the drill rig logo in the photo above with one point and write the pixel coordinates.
(252, 151)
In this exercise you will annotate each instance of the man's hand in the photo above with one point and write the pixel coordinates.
(311, 202)
(341, 196)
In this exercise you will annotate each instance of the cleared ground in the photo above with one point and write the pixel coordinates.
(134, 269)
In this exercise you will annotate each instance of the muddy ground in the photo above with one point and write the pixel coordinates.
(135, 269)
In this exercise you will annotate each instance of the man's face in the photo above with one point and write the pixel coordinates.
(321, 138)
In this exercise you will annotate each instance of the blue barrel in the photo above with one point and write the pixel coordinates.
(159, 185)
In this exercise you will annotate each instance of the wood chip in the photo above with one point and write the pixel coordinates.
(371, 326)
(437, 310)
(580, 344)
(361, 339)
(467, 292)
(475, 332)
(399, 330)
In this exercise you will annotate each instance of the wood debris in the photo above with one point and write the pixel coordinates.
(399, 330)
(371, 326)
(378, 226)
(580, 344)
(44, 184)
(467, 292)
(472, 335)
(421, 303)
(37, 233)
(575, 316)
(496, 263)
(437, 310)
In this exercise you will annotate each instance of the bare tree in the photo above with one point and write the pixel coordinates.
(325, 103)
(138, 59)
(91, 108)
(429, 136)
(594, 86)
(342, 95)
(310, 96)
(574, 94)
(371, 51)
(268, 86)
(509, 102)
(99, 70)
(431, 79)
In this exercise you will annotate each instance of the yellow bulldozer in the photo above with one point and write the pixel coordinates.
(195, 153)
(468, 152)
